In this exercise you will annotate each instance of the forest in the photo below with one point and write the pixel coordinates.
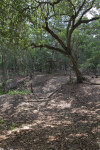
(50, 75)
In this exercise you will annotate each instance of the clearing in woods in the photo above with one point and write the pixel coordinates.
(57, 116)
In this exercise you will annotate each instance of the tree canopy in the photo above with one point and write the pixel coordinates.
(46, 23)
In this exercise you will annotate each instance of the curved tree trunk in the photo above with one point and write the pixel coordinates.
(78, 73)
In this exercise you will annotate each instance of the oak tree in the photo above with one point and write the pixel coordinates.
(51, 18)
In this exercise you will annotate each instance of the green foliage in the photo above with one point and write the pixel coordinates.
(8, 81)
(17, 92)
(1, 90)
(13, 126)
(13, 92)
(25, 22)
(86, 45)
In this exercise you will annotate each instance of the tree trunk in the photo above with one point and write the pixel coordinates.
(4, 72)
(78, 73)
(31, 78)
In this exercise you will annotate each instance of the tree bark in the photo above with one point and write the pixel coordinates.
(4, 72)
(75, 68)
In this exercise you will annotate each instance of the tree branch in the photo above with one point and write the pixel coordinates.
(69, 24)
(51, 3)
(56, 2)
(92, 19)
(72, 5)
(33, 45)
(55, 36)
(87, 10)
(80, 8)
(54, 15)
(85, 21)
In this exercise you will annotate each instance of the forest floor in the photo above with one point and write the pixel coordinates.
(57, 116)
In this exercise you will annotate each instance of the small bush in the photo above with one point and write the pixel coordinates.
(8, 81)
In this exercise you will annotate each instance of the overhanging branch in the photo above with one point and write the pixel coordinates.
(72, 5)
(47, 2)
(85, 21)
(87, 10)
(80, 8)
(54, 15)
(92, 19)
(33, 45)
(54, 36)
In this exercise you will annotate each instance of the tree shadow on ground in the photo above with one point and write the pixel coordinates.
(68, 120)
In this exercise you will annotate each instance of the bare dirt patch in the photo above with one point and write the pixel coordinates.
(58, 116)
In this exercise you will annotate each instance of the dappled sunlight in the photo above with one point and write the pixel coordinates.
(63, 104)
(5, 106)
(51, 139)
(53, 84)
(69, 116)
(78, 135)
(59, 105)
(83, 111)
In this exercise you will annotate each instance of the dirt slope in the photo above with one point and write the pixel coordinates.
(58, 116)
